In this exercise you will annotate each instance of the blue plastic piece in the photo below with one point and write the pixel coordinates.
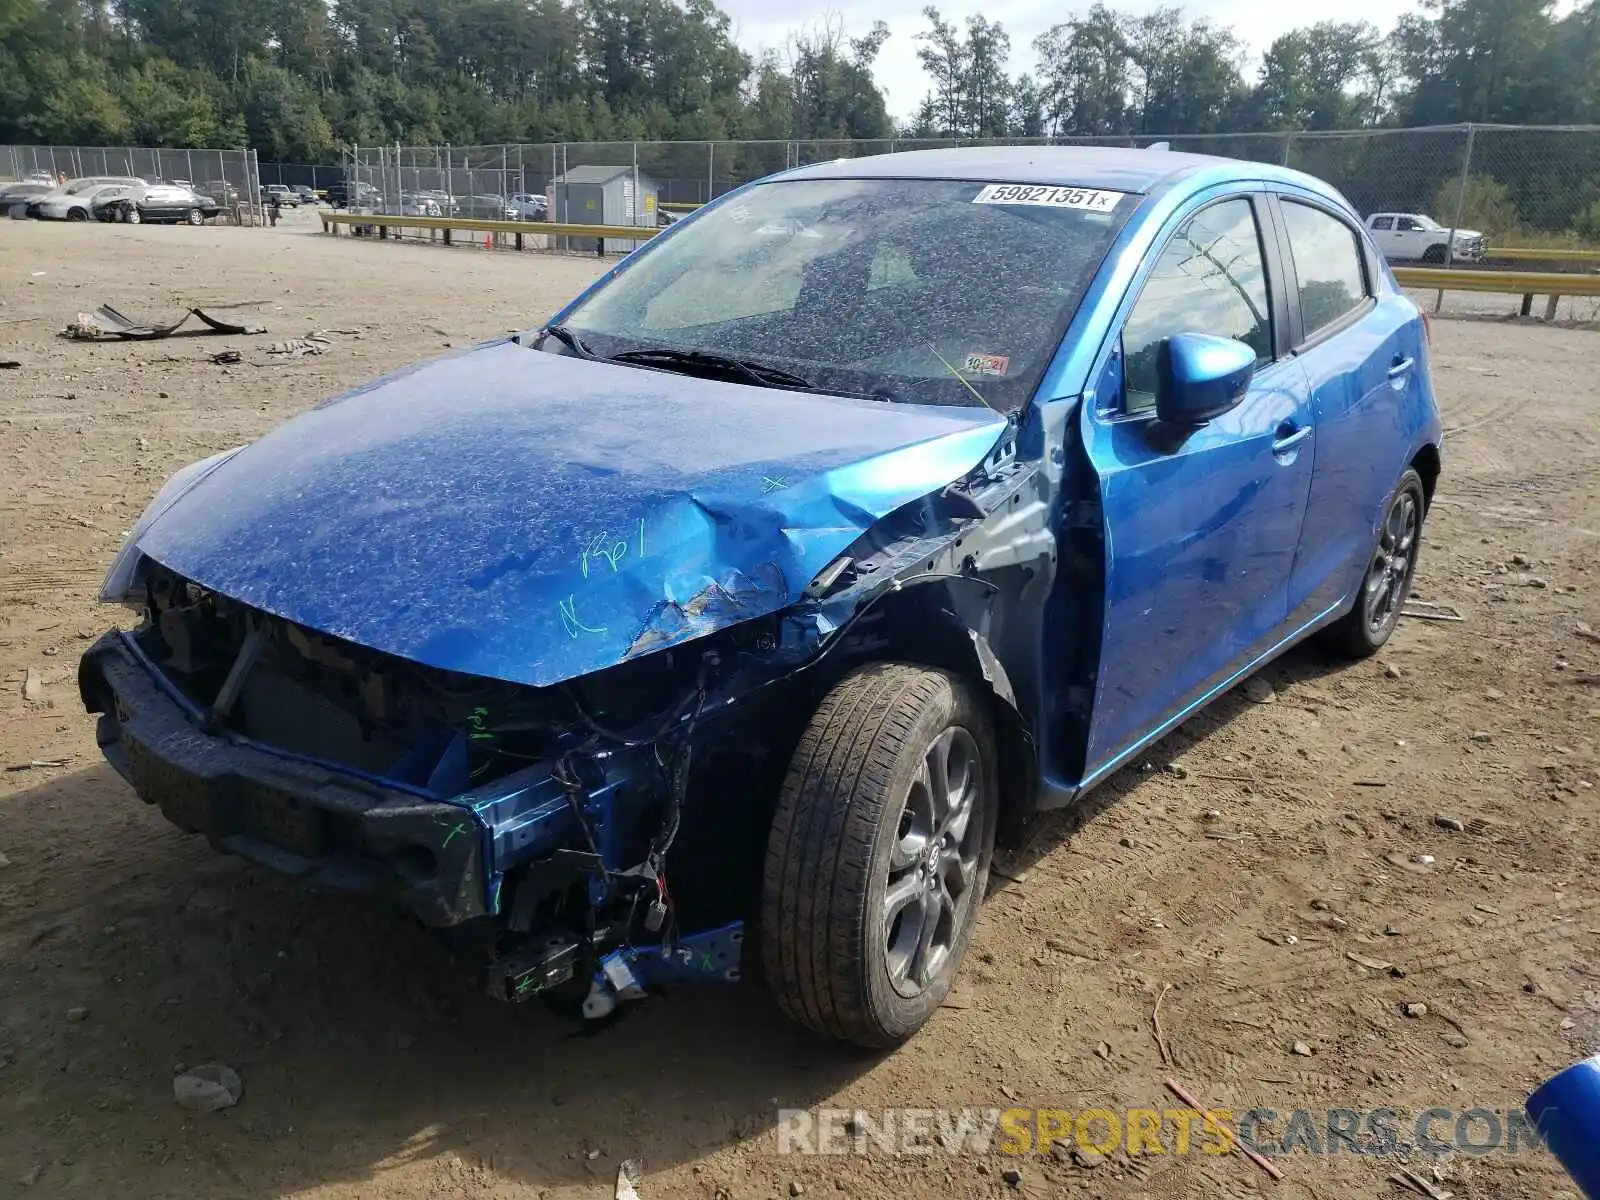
(710, 956)
(1566, 1110)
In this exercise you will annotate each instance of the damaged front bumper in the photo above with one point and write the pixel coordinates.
(444, 859)
(295, 816)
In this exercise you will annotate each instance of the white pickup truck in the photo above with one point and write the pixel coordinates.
(1412, 237)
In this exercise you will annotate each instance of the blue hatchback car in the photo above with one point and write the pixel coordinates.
(718, 626)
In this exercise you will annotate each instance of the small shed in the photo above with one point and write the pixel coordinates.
(604, 195)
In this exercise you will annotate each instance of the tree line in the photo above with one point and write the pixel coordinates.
(296, 79)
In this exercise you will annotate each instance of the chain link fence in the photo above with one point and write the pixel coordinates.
(1519, 185)
(230, 177)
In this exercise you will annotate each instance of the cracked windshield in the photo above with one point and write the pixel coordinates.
(914, 291)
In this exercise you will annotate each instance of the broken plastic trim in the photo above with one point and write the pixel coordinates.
(108, 322)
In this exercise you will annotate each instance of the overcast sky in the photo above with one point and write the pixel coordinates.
(761, 24)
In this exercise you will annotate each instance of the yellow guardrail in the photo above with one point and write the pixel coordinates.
(1526, 283)
(331, 221)
(1551, 284)
(1529, 254)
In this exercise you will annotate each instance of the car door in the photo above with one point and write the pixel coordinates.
(1411, 237)
(1360, 354)
(1201, 524)
(157, 204)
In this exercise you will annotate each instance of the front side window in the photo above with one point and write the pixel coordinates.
(1328, 261)
(1410, 225)
(922, 291)
(1211, 278)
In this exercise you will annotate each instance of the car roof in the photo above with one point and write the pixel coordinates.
(1116, 168)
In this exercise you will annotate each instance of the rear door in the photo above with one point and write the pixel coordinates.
(1360, 351)
(1411, 238)
(1201, 525)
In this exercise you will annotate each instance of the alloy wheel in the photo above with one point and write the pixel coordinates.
(934, 862)
(1389, 575)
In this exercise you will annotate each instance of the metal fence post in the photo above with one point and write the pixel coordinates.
(711, 172)
(1455, 222)
(636, 188)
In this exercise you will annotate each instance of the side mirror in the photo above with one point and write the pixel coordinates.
(1199, 377)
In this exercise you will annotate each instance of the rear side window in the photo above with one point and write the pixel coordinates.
(1210, 278)
(1328, 262)
(1383, 222)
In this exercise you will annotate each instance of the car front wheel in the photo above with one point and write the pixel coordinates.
(131, 215)
(1386, 583)
(879, 854)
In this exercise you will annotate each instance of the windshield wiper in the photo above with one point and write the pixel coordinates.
(570, 340)
(758, 373)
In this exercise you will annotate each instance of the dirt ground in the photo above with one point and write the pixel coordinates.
(128, 950)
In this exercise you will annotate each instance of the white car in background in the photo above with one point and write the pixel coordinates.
(530, 206)
(1414, 237)
(75, 201)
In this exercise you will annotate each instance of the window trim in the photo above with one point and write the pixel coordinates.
(1277, 298)
(1301, 342)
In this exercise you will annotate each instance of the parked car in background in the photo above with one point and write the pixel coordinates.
(449, 206)
(882, 504)
(282, 193)
(1413, 237)
(15, 197)
(72, 202)
(161, 203)
(223, 192)
(492, 208)
(412, 205)
(306, 195)
(354, 194)
(530, 206)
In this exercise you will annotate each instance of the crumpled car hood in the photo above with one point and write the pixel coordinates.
(532, 517)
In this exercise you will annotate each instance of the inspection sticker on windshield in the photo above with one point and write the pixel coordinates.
(1091, 199)
(987, 364)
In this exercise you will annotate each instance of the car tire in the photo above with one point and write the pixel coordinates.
(1386, 580)
(1433, 254)
(77, 214)
(131, 215)
(873, 876)
(196, 217)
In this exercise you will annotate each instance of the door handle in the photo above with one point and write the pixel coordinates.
(1289, 436)
(1400, 366)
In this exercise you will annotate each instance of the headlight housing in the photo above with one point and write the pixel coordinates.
(120, 585)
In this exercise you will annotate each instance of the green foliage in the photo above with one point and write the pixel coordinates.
(297, 79)
(1486, 205)
(1586, 224)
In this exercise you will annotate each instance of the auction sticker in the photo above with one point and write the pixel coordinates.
(1091, 199)
(988, 364)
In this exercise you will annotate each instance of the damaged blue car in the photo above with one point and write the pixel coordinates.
(718, 625)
